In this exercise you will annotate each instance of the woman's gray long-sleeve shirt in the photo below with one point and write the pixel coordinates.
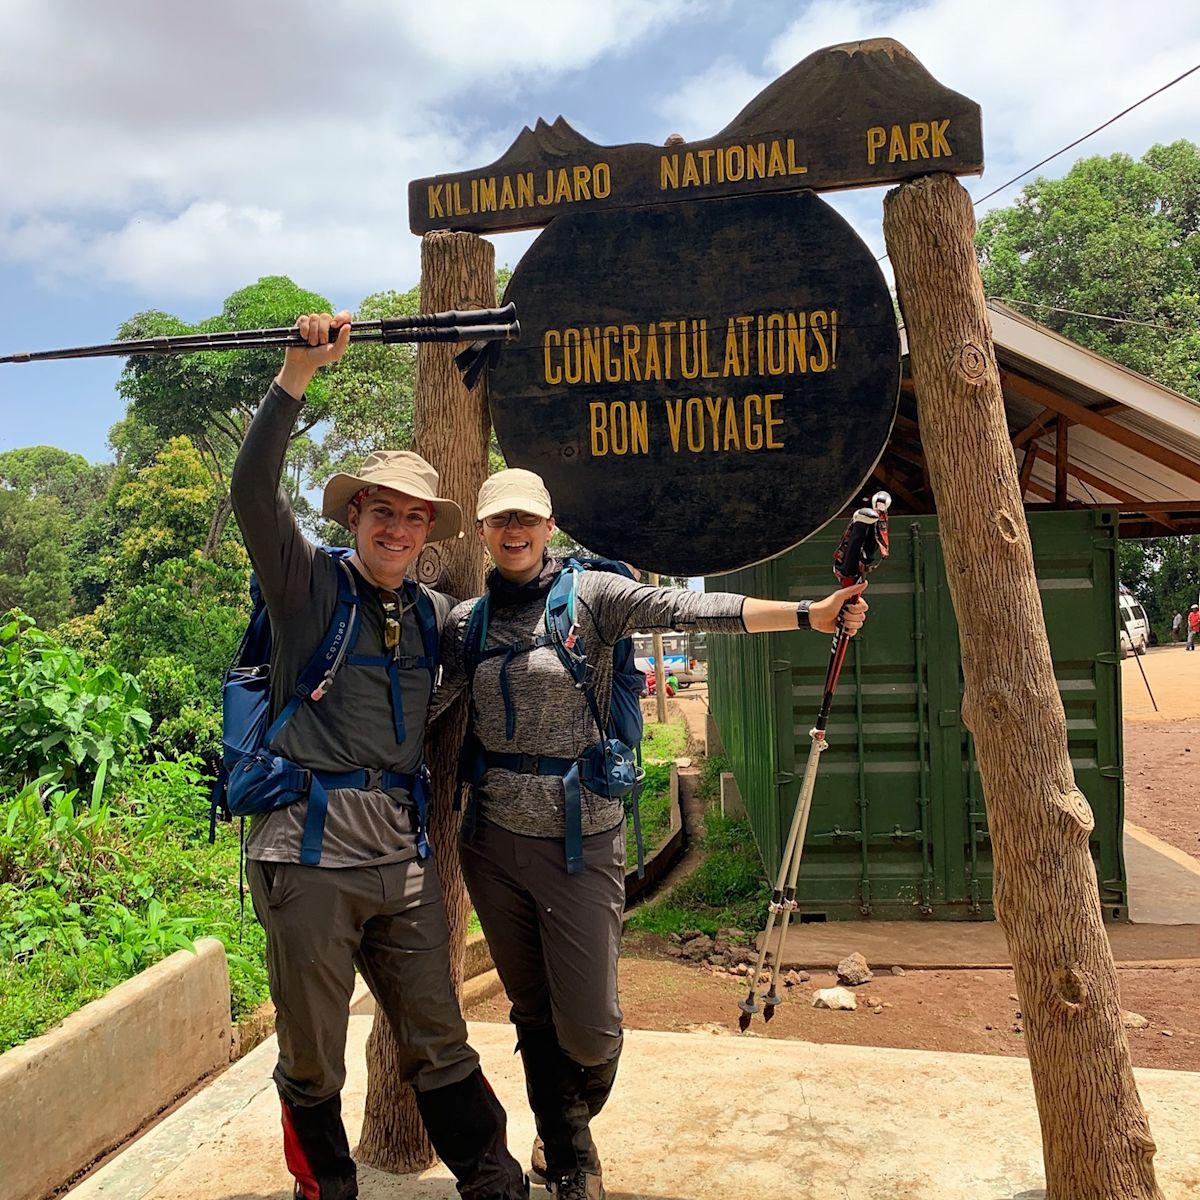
(552, 715)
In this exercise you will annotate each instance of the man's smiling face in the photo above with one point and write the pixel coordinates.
(389, 530)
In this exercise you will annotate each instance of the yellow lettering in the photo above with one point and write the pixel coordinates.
(690, 174)
(460, 210)
(668, 171)
(487, 194)
(599, 430)
(818, 321)
(572, 368)
(618, 421)
(695, 424)
(704, 369)
(547, 197)
(797, 333)
(674, 418)
(775, 341)
(563, 189)
(776, 165)
(550, 372)
(876, 140)
(772, 421)
(706, 157)
(601, 180)
(639, 440)
(525, 190)
(583, 176)
(632, 341)
(940, 146)
(754, 433)
(735, 163)
(653, 366)
(896, 147)
(686, 338)
(714, 412)
(732, 439)
(732, 365)
(612, 359)
(435, 200)
(591, 355)
(794, 168)
(507, 199)
(756, 161)
(918, 132)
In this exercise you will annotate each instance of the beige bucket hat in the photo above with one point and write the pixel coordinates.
(513, 490)
(402, 471)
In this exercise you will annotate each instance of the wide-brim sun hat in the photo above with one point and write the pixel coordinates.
(402, 471)
(513, 490)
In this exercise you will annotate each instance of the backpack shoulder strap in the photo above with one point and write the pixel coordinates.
(318, 675)
(475, 635)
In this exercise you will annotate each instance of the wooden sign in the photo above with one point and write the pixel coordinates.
(700, 385)
(847, 116)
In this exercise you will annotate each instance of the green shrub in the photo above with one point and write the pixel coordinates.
(61, 719)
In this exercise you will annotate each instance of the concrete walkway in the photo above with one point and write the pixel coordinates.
(693, 1116)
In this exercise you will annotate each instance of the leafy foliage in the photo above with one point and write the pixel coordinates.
(62, 721)
(1115, 237)
(104, 862)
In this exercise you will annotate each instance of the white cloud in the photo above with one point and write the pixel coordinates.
(250, 138)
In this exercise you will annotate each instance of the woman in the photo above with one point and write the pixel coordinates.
(553, 922)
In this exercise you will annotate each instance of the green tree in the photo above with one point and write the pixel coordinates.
(1116, 237)
(167, 508)
(210, 397)
(34, 571)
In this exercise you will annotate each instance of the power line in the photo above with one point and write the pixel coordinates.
(1079, 140)
(1074, 312)
(1084, 138)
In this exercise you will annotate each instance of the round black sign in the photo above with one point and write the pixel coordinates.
(703, 384)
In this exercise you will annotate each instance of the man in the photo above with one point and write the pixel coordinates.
(1193, 626)
(373, 900)
(1176, 626)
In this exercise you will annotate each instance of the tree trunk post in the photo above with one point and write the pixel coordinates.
(450, 429)
(1096, 1142)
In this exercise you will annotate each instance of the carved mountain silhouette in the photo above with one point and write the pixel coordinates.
(879, 74)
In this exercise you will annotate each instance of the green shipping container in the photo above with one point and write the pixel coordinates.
(898, 826)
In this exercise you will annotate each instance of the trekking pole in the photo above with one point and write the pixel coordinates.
(862, 547)
(466, 325)
(1138, 659)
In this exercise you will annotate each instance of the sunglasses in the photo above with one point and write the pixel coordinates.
(393, 617)
(501, 520)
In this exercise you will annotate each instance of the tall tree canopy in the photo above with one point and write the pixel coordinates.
(1115, 237)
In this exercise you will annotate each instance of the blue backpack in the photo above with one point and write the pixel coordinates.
(252, 778)
(612, 766)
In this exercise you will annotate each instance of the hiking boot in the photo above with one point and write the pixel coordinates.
(537, 1162)
(579, 1185)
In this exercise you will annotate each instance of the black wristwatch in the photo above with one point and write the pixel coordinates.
(802, 621)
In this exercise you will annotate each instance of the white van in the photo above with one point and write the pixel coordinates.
(1134, 628)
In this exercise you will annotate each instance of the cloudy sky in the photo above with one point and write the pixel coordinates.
(163, 155)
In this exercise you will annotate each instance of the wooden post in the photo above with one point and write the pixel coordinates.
(1096, 1141)
(450, 429)
(660, 672)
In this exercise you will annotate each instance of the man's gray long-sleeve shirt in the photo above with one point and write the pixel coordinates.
(352, 726)
(552, 715)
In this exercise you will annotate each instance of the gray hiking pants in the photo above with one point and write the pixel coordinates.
(320, 923)
(554, 937)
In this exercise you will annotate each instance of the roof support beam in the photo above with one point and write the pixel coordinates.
(1060, 462)
(1064, 406)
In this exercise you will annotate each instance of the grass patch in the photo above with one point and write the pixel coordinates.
(91, 893)
(654, 805)
(664, 743)
(727, 889)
